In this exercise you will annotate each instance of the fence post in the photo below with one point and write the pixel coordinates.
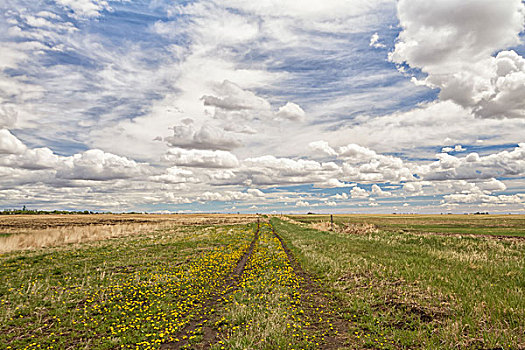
(331, 222)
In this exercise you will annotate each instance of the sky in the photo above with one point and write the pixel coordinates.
(268, 106)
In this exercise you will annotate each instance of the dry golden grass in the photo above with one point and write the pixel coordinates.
(355, 229)
(22, 232)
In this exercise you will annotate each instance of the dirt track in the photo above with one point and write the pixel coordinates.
(209, 333)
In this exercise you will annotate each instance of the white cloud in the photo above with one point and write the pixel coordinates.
(232, 67)
(377, 191)
(207, 137)
(453, 41)
(413, 188)
(201, 158)
(302, 204)
(9, 144)
(8, 117)
(463, 186)
(358, 193)
(333, 183)
(85, 8)
(291, 111)
(340, 196)
(456, 148)
(233, 97)
(222, 175)
(98, 165)
(310, 11)
(266, 170)
(365, 165)
(322, 147)
(175, 175)
(35, 158)
(479, 198)
(374, 41)
(415, 131)
(473, 166)
(255, 192)
(228, 196)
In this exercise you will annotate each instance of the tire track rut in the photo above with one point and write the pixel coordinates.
(209, 333)
(316, 300)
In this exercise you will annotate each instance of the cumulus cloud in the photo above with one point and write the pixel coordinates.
(465, 187)
(413, 188)
(453, 42)
(456, 148)
(223, 175)
(377, 191)
(255, 192)
(207, 137)
(175, 175)
(232, 97)
(266, 170)
(35, 159)
(9, 144)
(480, 198)
(98, 165)
(322, 148)
(365, 165)
(473, 166)
(359, 193)
(374, 41)
(228, 196)
(291, 111)
(340, 196)
(201, 158)
(302, 204)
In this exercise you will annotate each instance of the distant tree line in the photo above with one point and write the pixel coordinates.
(25, 211)
(42, 212)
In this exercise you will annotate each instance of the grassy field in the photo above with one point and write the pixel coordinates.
(495, 225)
(277, 286)
(420, 290)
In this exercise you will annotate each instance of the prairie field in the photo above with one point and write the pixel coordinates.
(248, 282)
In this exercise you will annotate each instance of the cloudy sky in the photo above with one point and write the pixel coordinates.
(263, 106)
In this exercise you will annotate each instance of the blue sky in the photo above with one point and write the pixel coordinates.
(271, 106)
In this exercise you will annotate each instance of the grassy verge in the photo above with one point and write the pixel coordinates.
(420, 291)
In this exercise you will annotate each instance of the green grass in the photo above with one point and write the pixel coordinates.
(499, 225)
(391, 289)
(421, 291)
(114, 293)
(269, 309)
